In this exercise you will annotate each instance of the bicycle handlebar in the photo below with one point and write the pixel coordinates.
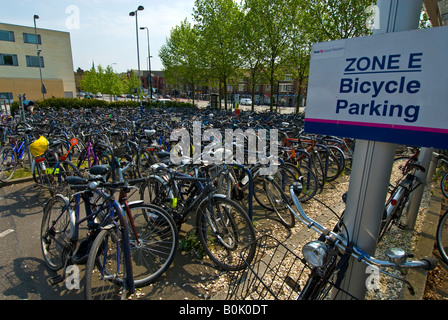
(427, 263)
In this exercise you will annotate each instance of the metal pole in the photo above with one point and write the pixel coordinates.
(372, 164)
(149, 61)
(42, 87)
(22, 113)
(140, 8)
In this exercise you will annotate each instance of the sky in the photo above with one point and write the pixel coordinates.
(102, 32)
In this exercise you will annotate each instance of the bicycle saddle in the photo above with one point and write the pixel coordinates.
(73, 180)
(101, 170)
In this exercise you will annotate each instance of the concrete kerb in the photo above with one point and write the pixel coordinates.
(425, 246)
(16, 181)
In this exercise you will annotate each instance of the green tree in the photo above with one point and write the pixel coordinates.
(111, 82)
(338, 19)
(218, 22)
(252, 49)
(130, 82)
(181, 57)
(91, 81)
(278, 20)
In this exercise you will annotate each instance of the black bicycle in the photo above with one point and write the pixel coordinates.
(222, 226)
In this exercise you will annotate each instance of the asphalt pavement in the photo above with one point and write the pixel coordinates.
(24, 275)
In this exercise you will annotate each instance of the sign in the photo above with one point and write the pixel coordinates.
(389, 87)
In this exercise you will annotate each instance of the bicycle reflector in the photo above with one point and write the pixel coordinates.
(315, 253)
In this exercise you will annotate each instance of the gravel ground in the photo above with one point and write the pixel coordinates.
(390, 289)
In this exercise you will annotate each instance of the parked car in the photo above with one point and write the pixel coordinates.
(246, 101)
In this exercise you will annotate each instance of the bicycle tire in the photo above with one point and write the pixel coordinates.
(233, 231)
(158, 237)
(54, 232)
(104, 278)
(444, 184)
(8, 163)
(310, 183)
(276, 199)
(442, 236)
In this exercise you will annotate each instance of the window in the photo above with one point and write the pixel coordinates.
(286, 88)
(33, 61)
(31, 38)
(8, 59)
(6, 36)
(6, 96)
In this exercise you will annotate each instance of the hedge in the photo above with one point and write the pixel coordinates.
(57, 104)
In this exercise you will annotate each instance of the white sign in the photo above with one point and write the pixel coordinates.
(389, 87)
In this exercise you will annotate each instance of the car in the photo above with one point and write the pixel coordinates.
(246, 101)
(99, 95)
(130, 96)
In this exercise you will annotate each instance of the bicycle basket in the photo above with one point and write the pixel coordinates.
(275, 273)
(39, 147)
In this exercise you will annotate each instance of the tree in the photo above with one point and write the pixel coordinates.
(338, 19)
(91, 81)
(111, 82)
(181, 56)
(218, 23)
(252, 49)
(278, 19)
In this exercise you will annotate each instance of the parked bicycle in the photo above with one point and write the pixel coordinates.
(276, 272)
(222, 226)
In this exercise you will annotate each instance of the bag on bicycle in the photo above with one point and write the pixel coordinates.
(39, 146)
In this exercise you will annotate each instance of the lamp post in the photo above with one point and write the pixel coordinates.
(134, 13)
(149, 60)
(42, 89)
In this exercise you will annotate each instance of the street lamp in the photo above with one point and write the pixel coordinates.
(149, 60)
(134, 13)
(42, 89)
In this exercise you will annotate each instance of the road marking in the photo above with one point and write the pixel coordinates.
(4, 233)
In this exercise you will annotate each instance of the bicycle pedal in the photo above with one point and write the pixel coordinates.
(57, 279)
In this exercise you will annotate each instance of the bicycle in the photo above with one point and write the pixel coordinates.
(222, 226)
(14, 154)
(318, 273)
(106, 220)
(152, 233)
(444, 180)
(50, 169)
(399, 197)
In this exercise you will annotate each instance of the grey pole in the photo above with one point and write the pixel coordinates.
(149, 61)
(134, 13)
(372, 164)
(42, 87)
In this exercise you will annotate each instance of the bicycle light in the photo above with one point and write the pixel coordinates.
(315, 253)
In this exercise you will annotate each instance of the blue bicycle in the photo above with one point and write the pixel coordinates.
(13, 155)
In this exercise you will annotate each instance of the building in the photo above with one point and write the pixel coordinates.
(19, 63)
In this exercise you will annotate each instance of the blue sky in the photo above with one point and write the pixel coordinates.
(102, 31)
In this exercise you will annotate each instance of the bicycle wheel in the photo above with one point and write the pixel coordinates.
(55, 232)
(8, 163)
(442, 237)
(224, 229)
(157, 241)
(106, 267)
(157, 192)
(444, 184)
(270, 195)
(145, 160)
(310, 183)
